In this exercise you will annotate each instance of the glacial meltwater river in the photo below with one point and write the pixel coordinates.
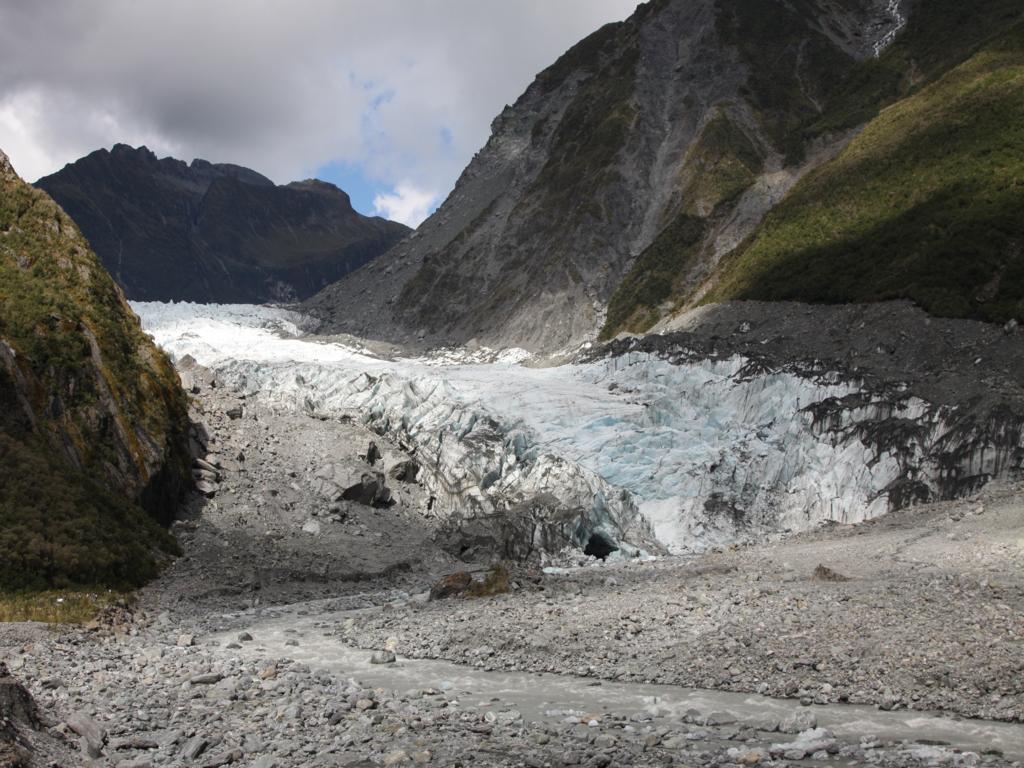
(549, 697)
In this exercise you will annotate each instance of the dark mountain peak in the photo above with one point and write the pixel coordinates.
(320, 187)
(229, 170)
(170, 230)
(315, 184)
(142, 152)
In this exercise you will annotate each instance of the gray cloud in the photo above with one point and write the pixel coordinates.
(405, 89)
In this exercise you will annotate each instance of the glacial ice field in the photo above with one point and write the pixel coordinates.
(678, 456)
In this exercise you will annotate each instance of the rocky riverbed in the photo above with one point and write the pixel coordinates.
(922, 609)
(161, 690)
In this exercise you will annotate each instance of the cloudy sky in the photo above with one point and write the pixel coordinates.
(389, 99)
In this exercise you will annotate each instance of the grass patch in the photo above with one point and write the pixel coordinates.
(59, 606)
(720, 165)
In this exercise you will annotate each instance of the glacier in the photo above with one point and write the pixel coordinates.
(651, 451)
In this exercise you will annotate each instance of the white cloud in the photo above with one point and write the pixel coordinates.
(406, 204)
(401, 89)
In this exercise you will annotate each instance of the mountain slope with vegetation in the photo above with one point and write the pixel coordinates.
(93, 421)
(920, 205)
(701, 150)
(171, 231)
(924, 204)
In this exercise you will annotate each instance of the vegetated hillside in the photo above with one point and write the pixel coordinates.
(690, 108)
(214, 233)
(927, 203)
(910, 170)
(93, 421)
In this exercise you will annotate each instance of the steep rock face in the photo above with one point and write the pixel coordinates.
(685, 117)
(203, 232)
(93, 422)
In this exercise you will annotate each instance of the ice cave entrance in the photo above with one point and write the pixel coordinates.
(599, 546)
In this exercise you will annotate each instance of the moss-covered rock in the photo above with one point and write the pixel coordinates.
(93, 421)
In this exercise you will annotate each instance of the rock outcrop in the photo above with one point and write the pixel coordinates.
(171, 231)
(93, 421)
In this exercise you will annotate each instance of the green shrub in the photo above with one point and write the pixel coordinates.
(58, 528)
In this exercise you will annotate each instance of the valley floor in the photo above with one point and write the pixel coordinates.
(255, 647)
(921, 609)
(930, 618)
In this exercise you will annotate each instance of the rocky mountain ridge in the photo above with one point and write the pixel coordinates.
(171, 231)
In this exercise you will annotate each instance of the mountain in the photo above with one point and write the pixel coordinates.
(93, 421)
(204, 232)
(613, 191)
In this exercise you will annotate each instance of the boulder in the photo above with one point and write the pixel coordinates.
(205, 487)
(802, 720)
(16, 703)
(451, 585)
(824, 573)
(405, 471)
(371, 490)
(806, 743)
(93, 736)
(203, 464)
(373, 454)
